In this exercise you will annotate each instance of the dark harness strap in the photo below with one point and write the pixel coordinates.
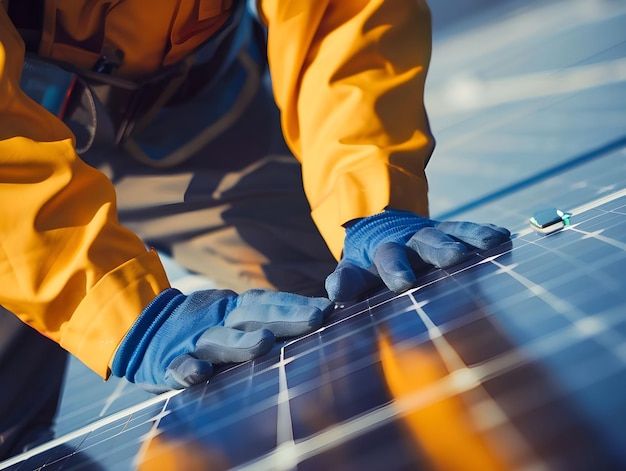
(98, 99)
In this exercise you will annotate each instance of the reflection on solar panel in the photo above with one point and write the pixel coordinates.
(514, 360)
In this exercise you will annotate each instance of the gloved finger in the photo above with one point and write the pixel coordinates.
(185, 370)
(225, 345)
(397, 266)
(481, 236)
(349, 282)
(437, 248)
(285, 314)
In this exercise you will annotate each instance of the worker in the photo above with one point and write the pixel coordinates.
(133, 128)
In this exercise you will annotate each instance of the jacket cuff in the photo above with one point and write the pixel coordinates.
(106, 314)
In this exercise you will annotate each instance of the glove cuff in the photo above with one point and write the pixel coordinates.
(133, 346)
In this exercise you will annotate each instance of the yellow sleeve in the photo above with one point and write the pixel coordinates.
(67, 267)
(348, 77)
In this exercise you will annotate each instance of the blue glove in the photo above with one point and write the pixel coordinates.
(394, 246)
(177, 338)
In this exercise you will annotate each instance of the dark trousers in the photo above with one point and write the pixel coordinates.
(32, 368)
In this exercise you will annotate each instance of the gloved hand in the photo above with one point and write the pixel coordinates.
(178, 338)
(393, 246)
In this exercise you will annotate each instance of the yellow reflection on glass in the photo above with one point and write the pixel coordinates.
(182, 454)
(437, 419)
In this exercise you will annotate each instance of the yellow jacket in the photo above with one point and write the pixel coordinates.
(348, 76)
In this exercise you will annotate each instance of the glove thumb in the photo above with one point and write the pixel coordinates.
(182, 372)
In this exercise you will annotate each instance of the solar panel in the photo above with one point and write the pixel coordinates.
(513, 360)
